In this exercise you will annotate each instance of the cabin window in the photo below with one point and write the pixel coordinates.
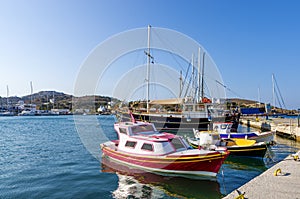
(130, 144)
(188, 107)
(147, 147)
(123, 130)
(142, 128)
(200, 108)
(177, 143)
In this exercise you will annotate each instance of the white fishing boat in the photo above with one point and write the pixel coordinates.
(141, 146)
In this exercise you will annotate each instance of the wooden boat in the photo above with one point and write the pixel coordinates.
(244, 147)
(238, 147)
(191, 116)
(192, 108)
(141, 146)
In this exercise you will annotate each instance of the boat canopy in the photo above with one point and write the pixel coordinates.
(166, 101)
(251, 111)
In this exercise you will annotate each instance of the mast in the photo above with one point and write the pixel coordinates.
(199, 76)
(180, 84)
(277, 93)
(31, 90)
(53, 99)
(202, 77)
(47, 102)
(148, 69)
(258, 99)
(193, 79)
(7, 94)
(273, 90)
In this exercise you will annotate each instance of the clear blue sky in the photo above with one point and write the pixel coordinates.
(46, 41)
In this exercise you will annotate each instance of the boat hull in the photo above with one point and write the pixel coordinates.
(201, 164)
(256, 150)
(174, 122)
(253, 151)
(267, 137)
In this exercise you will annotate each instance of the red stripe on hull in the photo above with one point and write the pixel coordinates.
(195, 163)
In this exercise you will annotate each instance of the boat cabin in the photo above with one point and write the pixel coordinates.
(143, 138)
(134, 128)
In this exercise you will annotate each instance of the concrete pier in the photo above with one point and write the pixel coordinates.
(282, 126)
(278, 182)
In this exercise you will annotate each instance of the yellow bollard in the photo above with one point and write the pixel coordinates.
(240, 196)
(296, 157)
(277, 171)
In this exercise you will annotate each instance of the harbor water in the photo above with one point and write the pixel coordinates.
(48, 157)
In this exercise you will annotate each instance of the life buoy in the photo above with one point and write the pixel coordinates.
(206, 100)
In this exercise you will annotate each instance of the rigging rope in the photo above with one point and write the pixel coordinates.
(280, 100)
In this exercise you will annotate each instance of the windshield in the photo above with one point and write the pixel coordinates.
(142, 128)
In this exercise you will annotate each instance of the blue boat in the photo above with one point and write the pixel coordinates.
(225, 131)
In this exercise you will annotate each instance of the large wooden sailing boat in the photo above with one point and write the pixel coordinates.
(191, 110)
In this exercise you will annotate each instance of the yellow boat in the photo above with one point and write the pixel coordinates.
(236, 146)
(244, 147)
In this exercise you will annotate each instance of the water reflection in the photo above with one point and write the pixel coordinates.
(134, 183)
(246, 163)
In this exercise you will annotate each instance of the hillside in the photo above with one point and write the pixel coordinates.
(46, 100)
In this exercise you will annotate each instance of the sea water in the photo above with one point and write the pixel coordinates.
(60, 157)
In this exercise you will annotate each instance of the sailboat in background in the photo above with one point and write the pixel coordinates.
(29, 109)
(7, 112)
(276, 94)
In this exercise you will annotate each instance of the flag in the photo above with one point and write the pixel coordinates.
(131, 115)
